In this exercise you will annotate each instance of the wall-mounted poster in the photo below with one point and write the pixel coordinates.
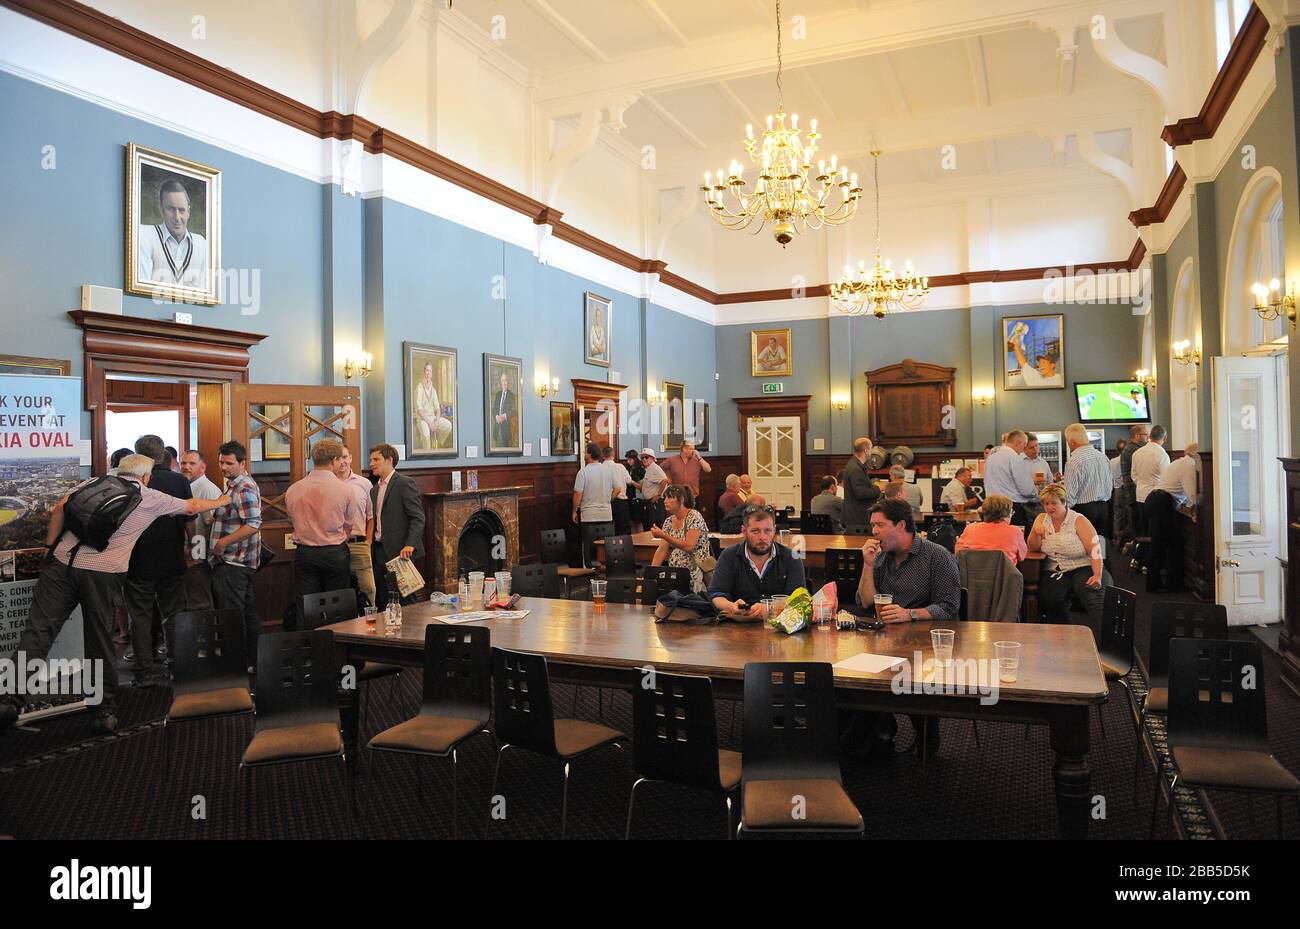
(562, 432)
(674, 415)
(597, 328)
(770, 353)
(429, 377)
(1033, 352)
(504, 411)
(173, 228)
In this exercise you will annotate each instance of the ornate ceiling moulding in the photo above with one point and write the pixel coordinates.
(1149, 215)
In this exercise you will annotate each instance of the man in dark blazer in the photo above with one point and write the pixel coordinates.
(860, 492)
(399, 518)
(503, 416)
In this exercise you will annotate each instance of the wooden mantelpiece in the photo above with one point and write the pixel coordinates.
(445, 516)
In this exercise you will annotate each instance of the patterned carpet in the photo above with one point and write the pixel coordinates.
(60, 783)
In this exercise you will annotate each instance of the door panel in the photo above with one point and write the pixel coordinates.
(776, 459)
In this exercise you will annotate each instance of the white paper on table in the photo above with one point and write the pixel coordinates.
(479, 615)
(867, 663)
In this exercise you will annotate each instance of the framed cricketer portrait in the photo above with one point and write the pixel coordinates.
(770, 353)
(504, 411)
(562, 432)
(173, 228)
(597, 329)
(1033, 352)
(429, 379)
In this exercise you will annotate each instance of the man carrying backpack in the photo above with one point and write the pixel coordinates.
(78, 573)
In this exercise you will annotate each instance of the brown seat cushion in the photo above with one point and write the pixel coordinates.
(1157, 700)
(1113, 667)
(211, 703)
(566, 571)
(728, 768)
(427, 733)
(575, 736)
(1228, 767)
(287, 742)
(770, 805)
(373, 669)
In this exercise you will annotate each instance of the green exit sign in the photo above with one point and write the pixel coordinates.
(775, 387)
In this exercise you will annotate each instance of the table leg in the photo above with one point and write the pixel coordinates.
(1073, 777)
(350, 715)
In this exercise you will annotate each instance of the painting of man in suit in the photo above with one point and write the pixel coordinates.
(505, 409)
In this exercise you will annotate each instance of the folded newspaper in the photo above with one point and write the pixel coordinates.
(409, 579)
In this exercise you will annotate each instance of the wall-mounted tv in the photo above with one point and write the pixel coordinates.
(1112, 402)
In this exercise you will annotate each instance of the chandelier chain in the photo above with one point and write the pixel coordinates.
(780, 92)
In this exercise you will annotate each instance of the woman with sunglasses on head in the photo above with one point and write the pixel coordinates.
(684, 537)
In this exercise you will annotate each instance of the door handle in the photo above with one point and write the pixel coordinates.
(1229, 563)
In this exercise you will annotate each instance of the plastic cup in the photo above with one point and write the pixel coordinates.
(768, 604)
(503, 585)
(598, 594)
(1008, 656)
(476, 586)
(942, 641)
(822, 612)
(369, 613)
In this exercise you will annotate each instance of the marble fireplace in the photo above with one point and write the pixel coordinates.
(463, 531)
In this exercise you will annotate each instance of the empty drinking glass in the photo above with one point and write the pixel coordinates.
(823, 612)
(503, 585)
(942, 640)
(1008, 656)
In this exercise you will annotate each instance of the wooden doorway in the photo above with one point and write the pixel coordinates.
(135, 408)
(767, 408)
(600, 413)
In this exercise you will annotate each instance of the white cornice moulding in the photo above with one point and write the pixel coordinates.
(458, 26)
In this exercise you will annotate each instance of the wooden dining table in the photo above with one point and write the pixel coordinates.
(1060, 674)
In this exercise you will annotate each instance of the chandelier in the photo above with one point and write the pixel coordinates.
(784, 194)
(882, 289)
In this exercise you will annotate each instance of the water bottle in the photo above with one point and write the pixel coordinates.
(393, 615)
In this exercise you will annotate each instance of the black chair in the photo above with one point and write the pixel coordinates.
(523, 717)
(1218, 723)
(298, 710)
(622, 590)
(620, 556)
(791, 772)
(675, 740)
(844, 567)
(336, 606)
(555, 550)
(659, 579)
(456, 706)
(961, 607)
(815, 523)
(211, 672)
(1118, 624)
(536, 580)
(715, 546)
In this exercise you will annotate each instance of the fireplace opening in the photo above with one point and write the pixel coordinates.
(481, 538)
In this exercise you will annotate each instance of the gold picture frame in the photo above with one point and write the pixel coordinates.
(193, 273)
(771, 353)
(29, 364)
(674, 422)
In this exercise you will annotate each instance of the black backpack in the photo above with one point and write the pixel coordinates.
(97, 509)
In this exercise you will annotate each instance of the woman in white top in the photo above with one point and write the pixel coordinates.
(1073, 564)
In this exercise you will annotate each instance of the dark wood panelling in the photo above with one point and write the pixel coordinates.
(1289, 639)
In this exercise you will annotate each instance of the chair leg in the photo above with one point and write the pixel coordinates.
(600, 703)
(167, 752)
(496, 772)
(577, 689)
(631, 801)
(1138, 750)
(246, 785)
(975, 728)
(1101, 720)
(350, 787)
(455, 795)
(1279, 816)
(1155, 796)
(564, 803)
(727, 798)
(1026, 732)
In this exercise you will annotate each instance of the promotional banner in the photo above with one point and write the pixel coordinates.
(40, 427)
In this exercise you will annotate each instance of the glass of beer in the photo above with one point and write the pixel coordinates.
(370, 616)
(598, 594)
(883, 600)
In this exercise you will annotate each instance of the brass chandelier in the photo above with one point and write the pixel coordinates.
(784, 194)
(882, 289)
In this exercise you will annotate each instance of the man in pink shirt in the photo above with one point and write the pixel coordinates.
(323, 510)
(994, 531)
(685, 468)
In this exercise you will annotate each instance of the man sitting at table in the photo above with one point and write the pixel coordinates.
(829, 503)
(754, 568)
(957, 495)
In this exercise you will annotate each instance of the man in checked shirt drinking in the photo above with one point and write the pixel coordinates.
(236, 544)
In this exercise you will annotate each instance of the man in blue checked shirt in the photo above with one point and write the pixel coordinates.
(1088, 479)
(236, 544)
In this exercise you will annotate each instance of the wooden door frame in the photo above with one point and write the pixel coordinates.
(794, 405)
(588, 394)
(156, 347)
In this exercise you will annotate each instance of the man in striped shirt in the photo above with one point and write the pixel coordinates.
(91, 579)
(1088, 479)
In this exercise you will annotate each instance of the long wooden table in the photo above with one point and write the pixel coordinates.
(1060, 671)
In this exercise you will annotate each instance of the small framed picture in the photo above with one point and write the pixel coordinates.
(562, 431)
(770, 353)
(504, 411)
(597, 328)
(674, 415)
(173, 228)
(1033, 352)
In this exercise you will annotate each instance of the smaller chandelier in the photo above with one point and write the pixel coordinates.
(882, 289)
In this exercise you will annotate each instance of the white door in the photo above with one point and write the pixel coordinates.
(776, 459)
(1248, 521)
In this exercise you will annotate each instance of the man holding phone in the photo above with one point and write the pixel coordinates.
(754, 568)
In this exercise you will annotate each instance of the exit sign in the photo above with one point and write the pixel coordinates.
(775, 387)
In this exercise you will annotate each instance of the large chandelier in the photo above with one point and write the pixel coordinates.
(882, 289)
(783, 194)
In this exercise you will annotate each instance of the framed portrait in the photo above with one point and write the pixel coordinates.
(26, 364)
(431, 404)
(597, 328)
(770, 353)
(273, 444)
(700, 431)
(1033, 352)
(173, 228)
(562, 429)
(503, 411)
(674, 415)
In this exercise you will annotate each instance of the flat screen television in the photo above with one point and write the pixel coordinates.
(1112, 402)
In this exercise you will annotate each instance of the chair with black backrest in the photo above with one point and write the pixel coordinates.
(456, 706)
(1118, 624)
(844, 568)
(622, 590)
(336, 606)
(536, 580)
(620, 556)
(791, 772)
(815, 524)
(675, 739)
(1172, 620)
(659, 579)
(523, 717)
(211, 672)
(297, 710)
(555, 550)
(1218, 723)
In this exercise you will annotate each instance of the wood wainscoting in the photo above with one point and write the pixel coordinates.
(1289, 639)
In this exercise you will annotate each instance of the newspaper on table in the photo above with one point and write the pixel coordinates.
(478, 615)
(409, 579)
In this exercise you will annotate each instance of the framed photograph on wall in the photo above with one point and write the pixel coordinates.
(1033, 352)
(173, 228)
(674, 415)
(562, 429)
(504, 410)
(275, 443)
(770, 353)
(26, 364)
(701, 426)
(597, 329)
(429, 379)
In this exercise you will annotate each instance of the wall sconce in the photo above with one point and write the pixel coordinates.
(363, 366)
(545, 390)
(840, 402)
(983, 396)
(653, 397)
(1270, 302)
(1147, 379)
(1185, 355)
